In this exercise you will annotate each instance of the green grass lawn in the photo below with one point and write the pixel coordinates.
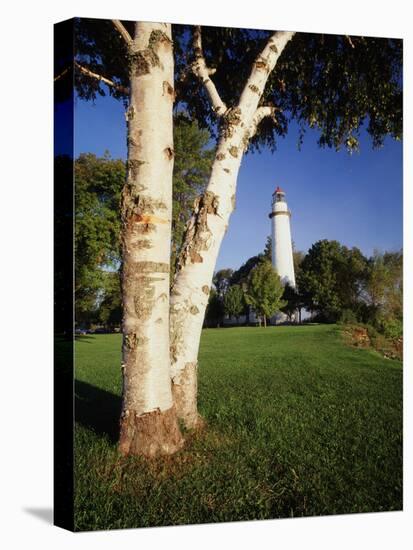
(298, 424)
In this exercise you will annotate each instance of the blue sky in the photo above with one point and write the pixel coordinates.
(355, 199)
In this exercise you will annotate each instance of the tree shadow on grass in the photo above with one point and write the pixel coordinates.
(97, 410)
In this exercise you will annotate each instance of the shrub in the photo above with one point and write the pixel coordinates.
(348, 317)
(391, 328)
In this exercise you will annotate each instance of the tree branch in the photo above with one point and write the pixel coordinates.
(274, 48)
(62, 74)
(122, 31)
(260, 113)
(350, 41)
(201, 70)
(101, 78)
(263, 66)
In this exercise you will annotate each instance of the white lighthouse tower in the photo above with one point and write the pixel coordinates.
(282, 250)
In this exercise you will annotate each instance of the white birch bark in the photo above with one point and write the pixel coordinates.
(148, 421)
(209, 222)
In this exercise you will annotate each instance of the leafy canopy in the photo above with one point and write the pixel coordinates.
(333, 83)
(192, 166)
(384, 291)
(329, 82)
(292, 299)
(331, 278)
(234, 301)
(265, 290)
(222, 280)
(214, 313)
(98, 184)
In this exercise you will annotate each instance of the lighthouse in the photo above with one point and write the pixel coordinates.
(282, 250)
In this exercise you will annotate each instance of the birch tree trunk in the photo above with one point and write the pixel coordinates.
(209, 222)
(148, 423)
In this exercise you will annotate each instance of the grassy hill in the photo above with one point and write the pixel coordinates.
(298, 424)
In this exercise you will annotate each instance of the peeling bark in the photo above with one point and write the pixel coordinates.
(148, 423)
(184, 389)
(197, 235)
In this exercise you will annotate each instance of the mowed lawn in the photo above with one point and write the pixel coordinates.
(298, 424)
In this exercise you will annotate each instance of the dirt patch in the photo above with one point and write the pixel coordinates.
(368, 337)
(357, 337)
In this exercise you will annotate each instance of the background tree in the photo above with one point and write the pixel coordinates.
(193, 159)
(222, 281)
(214, 315)
(110, 302)
(352, 274)
(292, 297)
(331, 279)
(98, 184)
(240, 275)
(265, 291)
(298, 257)
(293, 302)
(234, 301)
(268, 249)
(384, 292)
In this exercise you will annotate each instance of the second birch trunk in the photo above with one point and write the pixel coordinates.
(209, 222)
